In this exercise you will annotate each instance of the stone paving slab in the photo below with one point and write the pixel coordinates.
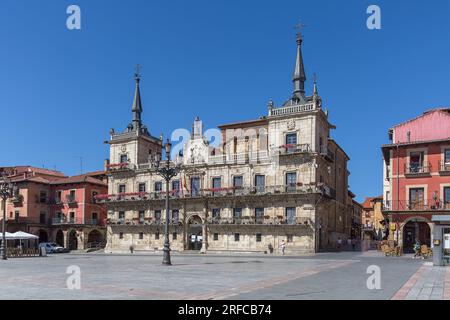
(428, 283)
(322, 276)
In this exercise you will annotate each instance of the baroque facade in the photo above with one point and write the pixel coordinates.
(279, 177)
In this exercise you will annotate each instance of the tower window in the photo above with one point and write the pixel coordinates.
(123, 158)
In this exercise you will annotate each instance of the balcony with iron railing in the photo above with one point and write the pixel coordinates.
(444, 167)
(17, 200)
(117, 167)
(327, 154)
(290, 149)
(417, 169)
(71, 199)
(219, 192)
(430, 205)
(65, 220)
(145, 221)
(266, 220)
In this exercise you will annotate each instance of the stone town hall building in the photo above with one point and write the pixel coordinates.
(280, 177)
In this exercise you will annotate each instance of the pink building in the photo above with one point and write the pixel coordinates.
(57, 208)
(417, 176)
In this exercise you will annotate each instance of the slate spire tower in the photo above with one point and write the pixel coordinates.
(299, 76)
(137, 104)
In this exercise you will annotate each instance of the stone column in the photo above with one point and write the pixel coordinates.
(204, 230)
(81, 239)
(66, 239)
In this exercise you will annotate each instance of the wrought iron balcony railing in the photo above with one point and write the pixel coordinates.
(417, 169)
(430, 205)
(220, 192)
(71, 199)
(57, 221)
(444, 167)
(125, 166)
(288, 149)
(251, 220)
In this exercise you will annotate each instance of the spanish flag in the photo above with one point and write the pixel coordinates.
(185, 184)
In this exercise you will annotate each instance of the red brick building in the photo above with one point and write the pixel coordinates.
(417, 176)
(57, 208)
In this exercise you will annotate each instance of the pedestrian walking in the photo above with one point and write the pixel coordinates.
(282, 247)
(416, 248)
(339, 244)
(354, 244)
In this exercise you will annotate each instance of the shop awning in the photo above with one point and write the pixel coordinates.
(440, 218)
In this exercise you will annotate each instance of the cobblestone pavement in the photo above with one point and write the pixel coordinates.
(194, 277)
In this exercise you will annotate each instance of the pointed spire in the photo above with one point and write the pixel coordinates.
(137, 104)
(299, 77)
(316, 98)
(315, 92)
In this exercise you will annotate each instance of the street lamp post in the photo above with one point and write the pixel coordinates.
(167, 172)
(6, 192)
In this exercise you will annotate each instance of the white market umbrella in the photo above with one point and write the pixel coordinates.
(20, 235)
(8, 235)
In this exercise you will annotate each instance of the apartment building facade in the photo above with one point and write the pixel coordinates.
(417, 176)
(57, 208)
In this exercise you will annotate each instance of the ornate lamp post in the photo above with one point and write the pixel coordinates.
(167, 172)
(7, 191)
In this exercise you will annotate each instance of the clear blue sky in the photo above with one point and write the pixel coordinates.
(61, 91)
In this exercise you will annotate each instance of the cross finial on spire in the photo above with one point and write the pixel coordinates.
(299, 27)
(137, 73)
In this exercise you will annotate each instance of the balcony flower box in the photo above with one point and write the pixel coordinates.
(17, 199)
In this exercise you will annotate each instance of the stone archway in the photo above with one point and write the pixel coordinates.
(43, 236)
(413, 229)
(59, 238)
(72, 240)
(195, 237)
(95, 236)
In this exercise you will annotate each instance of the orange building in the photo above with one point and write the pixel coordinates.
(373, 222)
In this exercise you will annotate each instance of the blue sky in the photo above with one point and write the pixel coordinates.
(61, 91)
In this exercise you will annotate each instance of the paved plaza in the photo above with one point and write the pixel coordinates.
(202, 277)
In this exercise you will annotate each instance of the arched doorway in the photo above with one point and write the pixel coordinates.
(59, 238)
(43, 236)
(73, 241)
(95, 236)
(415, 230)
(195, 233)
